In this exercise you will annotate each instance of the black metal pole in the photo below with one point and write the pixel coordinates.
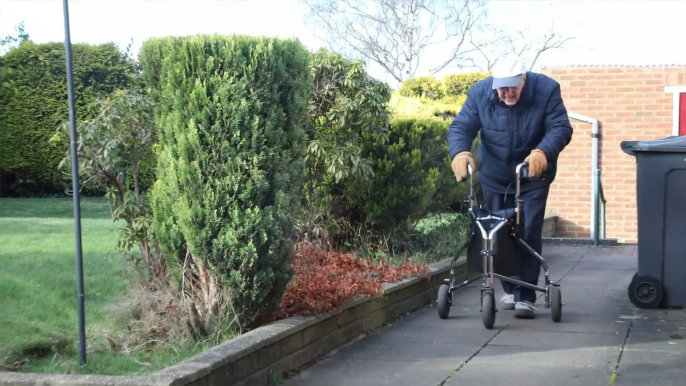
(75, 183)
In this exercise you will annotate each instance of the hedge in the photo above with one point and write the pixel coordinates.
(450, 87)
(33, 103)
(457, 85)
(412, 177)
(410, 107)
(231, 159)
(422, 87)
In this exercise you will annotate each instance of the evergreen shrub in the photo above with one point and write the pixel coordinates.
(231, 114)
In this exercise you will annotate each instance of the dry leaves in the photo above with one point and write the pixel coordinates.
(326, 280)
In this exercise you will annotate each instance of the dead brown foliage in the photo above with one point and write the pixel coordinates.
(326, 280)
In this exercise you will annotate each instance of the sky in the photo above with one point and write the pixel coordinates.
(613, 32)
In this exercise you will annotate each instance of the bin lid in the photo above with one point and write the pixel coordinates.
(673, 144)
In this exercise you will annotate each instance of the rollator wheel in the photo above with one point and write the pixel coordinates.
(555, 303)
(646, 292)
(488, 309)
(443, 301)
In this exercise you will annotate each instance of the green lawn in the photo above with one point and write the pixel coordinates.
(38, 302)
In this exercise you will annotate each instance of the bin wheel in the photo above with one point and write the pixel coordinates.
(646, 292)
(488, 309)
(443, 301)
(555, 303)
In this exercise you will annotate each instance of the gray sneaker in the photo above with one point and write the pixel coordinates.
(525, 310)
(508, 302)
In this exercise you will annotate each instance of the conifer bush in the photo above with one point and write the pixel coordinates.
(231, 114)
(410, 178)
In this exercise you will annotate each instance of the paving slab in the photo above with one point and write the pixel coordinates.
(556, 340)
(559, 270)
(357, 372)
(655, 351)
(609, 258)
(623, 264)
(428, 327)
(518, 365)
(602, 338)
(652, 363)
(584, 311)
(600, 279)
(558, 254)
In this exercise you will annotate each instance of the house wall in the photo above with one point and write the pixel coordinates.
(631, 104)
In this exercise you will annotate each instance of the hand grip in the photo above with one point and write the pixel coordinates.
(525, 173)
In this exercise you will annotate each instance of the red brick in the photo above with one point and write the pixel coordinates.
(596, 70)
(630, 105)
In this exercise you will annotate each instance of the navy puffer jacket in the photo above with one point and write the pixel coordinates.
(509, 134)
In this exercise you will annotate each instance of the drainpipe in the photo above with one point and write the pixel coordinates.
(595, 173)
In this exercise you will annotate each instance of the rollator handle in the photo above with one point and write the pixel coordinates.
(523, 172)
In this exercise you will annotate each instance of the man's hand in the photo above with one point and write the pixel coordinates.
(459, 165)
(538, 163)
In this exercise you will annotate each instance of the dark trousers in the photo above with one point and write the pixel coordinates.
(534, 214)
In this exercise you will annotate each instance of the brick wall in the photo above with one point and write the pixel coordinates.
(631, 104)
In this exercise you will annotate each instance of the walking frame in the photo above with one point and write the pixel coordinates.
(499, 256)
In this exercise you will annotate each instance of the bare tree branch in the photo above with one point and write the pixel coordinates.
(468, 19)
(550, 41)
(501, 42)
(395, 33)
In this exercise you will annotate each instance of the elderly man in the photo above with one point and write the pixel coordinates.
(522, 117)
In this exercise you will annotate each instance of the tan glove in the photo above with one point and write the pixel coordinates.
(459, 165)
(538, 163)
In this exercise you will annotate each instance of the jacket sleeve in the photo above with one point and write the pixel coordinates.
(558, 130)
(465, 126)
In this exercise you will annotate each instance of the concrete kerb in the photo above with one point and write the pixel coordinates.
(280, 346)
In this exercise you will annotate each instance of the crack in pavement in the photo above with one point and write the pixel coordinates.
(613, 377)
(472, 356)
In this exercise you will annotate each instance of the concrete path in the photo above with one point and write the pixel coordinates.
(602, 339)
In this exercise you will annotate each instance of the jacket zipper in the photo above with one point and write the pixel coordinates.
(519, 130)
(512, 133)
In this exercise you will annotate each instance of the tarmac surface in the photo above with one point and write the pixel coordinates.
(603, 339)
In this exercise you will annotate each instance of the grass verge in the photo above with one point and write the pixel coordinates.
(38, 309)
